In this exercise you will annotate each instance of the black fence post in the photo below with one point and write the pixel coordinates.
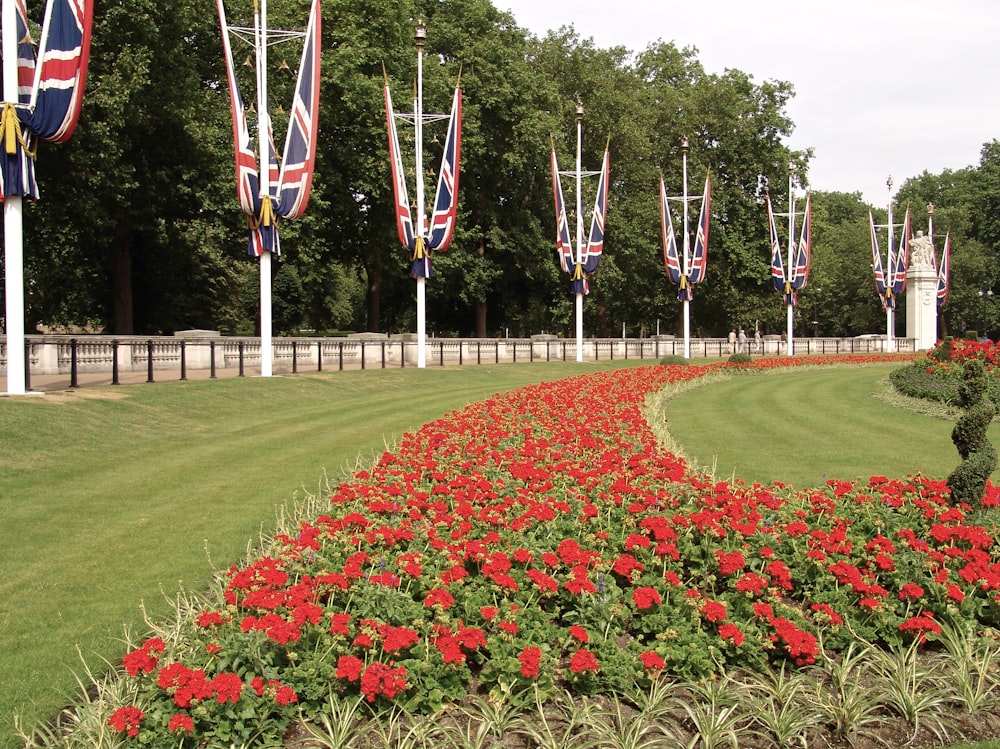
(479, 352)
(382, 343)
(211, 357)
(319, 356)
(441, 353)
(183, 360)
(72, 364)
(402, 354)
(149, 360)
(240, 345)
(295, 357)
(114, 362)
(27, 365)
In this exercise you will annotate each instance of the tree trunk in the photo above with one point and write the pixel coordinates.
(602, 317)
(373, 299)
(480, 309)
(122, 322)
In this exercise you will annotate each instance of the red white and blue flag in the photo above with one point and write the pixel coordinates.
(794, 278)
(883, 288)
(899, 261)
(443, 218)
(287, 183)
(685, 278)
(944, 272)
(50, 92)
(699, 256)
(299, 156)
(803, 250)
(404, 221)
(564, 245)
(671, 260)
(595, 240)
(777, 262)
(445, 209)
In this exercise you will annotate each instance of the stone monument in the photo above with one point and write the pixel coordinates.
(921, 293)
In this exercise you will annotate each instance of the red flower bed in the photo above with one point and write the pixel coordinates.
(543, 537)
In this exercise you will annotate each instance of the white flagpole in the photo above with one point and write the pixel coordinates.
(418, 120)
(264, 147)
(579, 227)
(12, 223)
(890, 312)
(686, 265)
(790, 308)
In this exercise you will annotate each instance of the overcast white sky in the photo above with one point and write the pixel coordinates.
(882, 87)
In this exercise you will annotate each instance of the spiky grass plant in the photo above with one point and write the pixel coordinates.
(911, 689)
(715, 715)
(970, 668)
(847, 706)
(780, 706)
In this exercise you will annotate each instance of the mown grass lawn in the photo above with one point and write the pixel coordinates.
(804, 426)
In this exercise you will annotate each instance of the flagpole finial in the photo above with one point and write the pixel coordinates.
(579, 109)
(888, 182)
(420, 33)
(684, 145)
(930, 209)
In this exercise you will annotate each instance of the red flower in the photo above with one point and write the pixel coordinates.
(910, 591)
(713, 611)
(227, 687)
(349, 667)
(579, 634)
(583, 661)
(180, 723)
(381, 679)
(652, 661)
(646, 598)
(730, 631)
(530, 660)
(126, 720)
(730, 561)
(439, 597)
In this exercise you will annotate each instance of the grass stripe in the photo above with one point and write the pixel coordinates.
(803, 426)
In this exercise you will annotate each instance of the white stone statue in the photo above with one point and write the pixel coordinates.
(921, 251)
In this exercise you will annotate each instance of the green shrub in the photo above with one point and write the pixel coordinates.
(739, 359)
(675, 359)
(968, 481)
(942, 352)
(972, 335)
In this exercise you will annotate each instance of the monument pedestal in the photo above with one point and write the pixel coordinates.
(921, 307)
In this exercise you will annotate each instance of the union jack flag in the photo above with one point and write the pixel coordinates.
(595, 241)
(944, 272)
(800, 261)
(266, 187)
(297, 164)
(404, 221)
(670, 258)
(900, 260)
(49, 94)
(442, 227)
(881, 286)
(696, 273)
(564, 246)
(777, 263)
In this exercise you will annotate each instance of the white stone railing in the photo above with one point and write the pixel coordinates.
(206, 350)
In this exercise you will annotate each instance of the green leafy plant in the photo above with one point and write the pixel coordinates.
(968, 481)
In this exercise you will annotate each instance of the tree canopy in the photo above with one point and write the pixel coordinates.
(138, 229)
